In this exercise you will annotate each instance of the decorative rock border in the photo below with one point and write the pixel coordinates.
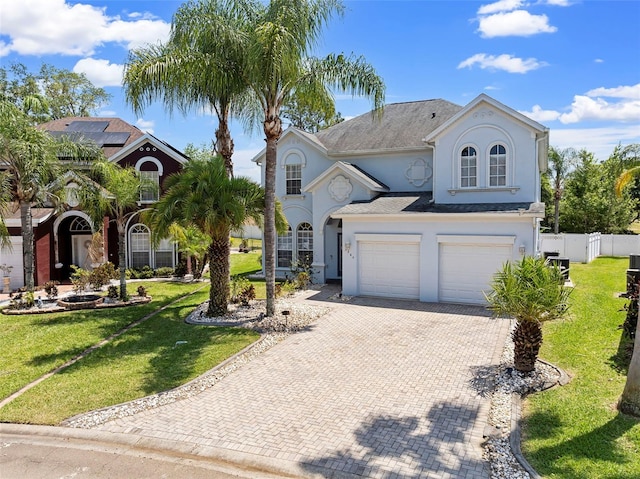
(99, 303)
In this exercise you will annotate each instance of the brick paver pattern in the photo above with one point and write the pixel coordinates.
(375, 388)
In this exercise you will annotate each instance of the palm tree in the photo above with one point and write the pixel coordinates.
(29, 157)
(5, 198)
(119, 202)
(202, 195)
(561, 161)
(532, 292)
(279, 39)
(200, 67)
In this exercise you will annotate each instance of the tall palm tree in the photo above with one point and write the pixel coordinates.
(202, 195)
(279, 40)
(200, 67)
(532, 292)
(29, 157)
(5, 198)
(119, 202)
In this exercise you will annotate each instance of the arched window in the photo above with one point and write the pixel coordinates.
(285, 249)
(498, 165)
(468, 168)
(293, 164)
(304, 242)
(140, 246)
(79, 225)
(150, 170)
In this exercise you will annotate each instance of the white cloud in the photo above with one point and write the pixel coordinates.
(538, 114)
(598, 60)
(518, 23)
(586, 108)
(599, 141)
(145, 125)
(629, 92)
(107, 113)
(500, 6)
(40, 27)
(504, 62)
(100, 72)
(559, 3)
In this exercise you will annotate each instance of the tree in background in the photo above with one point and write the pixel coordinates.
(277, 44)
(202, 195)
(51, 93)
(311, 114)
(29, 157)
(560, 163)
(531, 291)
(590, 203)
(630, 157)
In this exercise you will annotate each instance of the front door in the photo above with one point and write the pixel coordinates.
(80, 245)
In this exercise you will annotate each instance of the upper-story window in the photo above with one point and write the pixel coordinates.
(498, 165)
(468, 168)
(150, 170)
(140, 245)
(294, 178)
(285, 249)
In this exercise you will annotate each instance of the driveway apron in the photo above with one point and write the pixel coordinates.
(375, 388)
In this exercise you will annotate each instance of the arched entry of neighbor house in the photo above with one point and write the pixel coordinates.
(72, 238)
(333, 249)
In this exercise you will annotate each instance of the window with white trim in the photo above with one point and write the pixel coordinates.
(293, 175)
(468, 168)
(164, 254)
(304, 243)
(150, 189)
(285, 249)
(140, 244)
(498, 165)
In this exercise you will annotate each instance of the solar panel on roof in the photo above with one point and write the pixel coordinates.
(88, 126)
(99, 138)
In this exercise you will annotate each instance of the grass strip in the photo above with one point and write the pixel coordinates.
(575, 432)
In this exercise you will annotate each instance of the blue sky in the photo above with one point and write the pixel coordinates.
(574, 66)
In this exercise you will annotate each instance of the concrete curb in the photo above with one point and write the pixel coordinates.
(515, 437)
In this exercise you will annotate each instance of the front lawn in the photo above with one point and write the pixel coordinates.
(574, 431)
(145, 360)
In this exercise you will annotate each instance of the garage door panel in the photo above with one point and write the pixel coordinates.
(389, 269)
(465, 271)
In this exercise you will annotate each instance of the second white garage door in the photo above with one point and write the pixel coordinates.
(466, 270)
(389, 269)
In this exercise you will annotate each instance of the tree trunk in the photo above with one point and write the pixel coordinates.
(557, 196)
(26, 220)
(527, 339)
(272, 130)
(219, 252)
(122, 259)
(224, 145)
(630, 401)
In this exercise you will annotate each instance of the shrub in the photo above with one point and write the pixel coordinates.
(238, 285)
(164, 272)
(79, 279)
(112, 292)
(181, 269)
(247, 294)
(102, 275)
(29, 299)
(285, 289)
(142, 291)
(51, 288)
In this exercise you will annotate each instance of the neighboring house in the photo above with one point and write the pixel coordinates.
(63, 238)
(425, 203)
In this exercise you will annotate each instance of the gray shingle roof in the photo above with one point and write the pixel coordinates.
(399, 203)
(403, 125)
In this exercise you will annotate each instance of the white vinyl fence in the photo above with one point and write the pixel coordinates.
(584, 248)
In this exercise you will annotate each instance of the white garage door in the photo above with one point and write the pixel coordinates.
(389, 269)
(466, 270)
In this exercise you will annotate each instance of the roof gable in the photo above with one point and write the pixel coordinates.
(308, 138)
(148, 138)
(353, 172)
(486, 99)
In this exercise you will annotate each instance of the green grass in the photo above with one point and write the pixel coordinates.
(143, 361)
(574, 431)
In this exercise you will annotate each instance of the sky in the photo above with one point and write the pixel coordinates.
(572, 65)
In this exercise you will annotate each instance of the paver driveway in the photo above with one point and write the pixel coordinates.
(376, 388)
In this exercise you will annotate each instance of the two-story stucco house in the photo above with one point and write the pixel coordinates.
(425, 203)
(63, 236)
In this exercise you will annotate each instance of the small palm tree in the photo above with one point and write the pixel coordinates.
(531, 291)
(202, 195)
(119, 202)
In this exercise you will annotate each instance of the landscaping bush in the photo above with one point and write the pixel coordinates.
(79, 279)
(51, 288)
(102, 275)
(142, 291)
(164, 272)
(180, 269)
(237, 286)
(140, 273)
(113, 292)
